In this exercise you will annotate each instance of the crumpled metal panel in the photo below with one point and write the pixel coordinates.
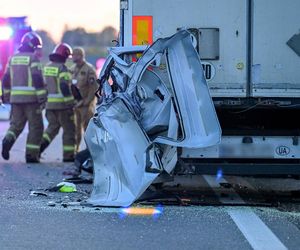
(196, 110)
(140, 106)
(125, 164)
(197, 113)
(155, 102)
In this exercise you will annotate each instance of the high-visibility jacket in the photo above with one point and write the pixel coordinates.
(23, 80)
(58, 82)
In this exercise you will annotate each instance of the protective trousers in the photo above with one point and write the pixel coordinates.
(58, 119)
(20, 114)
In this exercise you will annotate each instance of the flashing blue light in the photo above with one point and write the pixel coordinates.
(219, 175)
(159, 211)
(6, 32)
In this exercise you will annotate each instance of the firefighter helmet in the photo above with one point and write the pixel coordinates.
(31, 40)
(63, 50)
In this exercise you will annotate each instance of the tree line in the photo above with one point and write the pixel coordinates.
(94, 43)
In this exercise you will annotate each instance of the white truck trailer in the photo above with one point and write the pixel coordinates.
(250, 52)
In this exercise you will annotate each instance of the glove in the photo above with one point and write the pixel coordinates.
(76, 93)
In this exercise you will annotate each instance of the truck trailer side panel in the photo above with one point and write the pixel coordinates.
(229, 69)
(276, 66)
(256, 41)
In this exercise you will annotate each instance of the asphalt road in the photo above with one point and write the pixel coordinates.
(215, 213)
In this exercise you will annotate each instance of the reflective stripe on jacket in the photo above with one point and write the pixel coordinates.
(25, 84)
(58, 81)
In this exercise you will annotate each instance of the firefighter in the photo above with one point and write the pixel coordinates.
(60, 101)
(84, 78)
(23, 87)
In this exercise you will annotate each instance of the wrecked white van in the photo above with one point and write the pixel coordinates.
(155, 102)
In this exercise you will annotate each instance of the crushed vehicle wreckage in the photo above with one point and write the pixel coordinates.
(155, 101)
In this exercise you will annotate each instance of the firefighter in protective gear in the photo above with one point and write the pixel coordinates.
(23, 87)
(60, 101)
(84, 78)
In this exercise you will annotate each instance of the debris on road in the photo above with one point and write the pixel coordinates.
(67, 187)
(53, 189)
(51, 204)
(71, 172)
(225, 185)
(70, 204)
(63, 187)
(79, 180)
(38, 193)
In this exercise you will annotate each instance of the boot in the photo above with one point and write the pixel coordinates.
(30, 159)
(6, 147)
(44, 145)
(70, 159)
(80, 158)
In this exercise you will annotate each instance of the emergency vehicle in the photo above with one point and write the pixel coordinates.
(11, 31)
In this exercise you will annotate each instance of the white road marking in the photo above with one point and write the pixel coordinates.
(257, 233)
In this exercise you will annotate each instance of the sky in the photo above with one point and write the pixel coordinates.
(54, 15)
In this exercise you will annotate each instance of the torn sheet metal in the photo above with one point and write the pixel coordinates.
(145, 115)
(122, 171)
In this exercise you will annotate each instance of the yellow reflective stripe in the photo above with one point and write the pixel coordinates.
(37, 65)
(6, 91)
(69, 148)
(0, 88)
(69, 98)
(60, 99)
(12, 134)
(65, 75)
(46, 137)
(33, 146)
(29, 77)
(55, 99)
(50, 71)
(58, 85)
(20, 60)
(41, 92)
(23, 92)
(11, 73)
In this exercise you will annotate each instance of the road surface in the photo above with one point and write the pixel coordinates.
(216, 213)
